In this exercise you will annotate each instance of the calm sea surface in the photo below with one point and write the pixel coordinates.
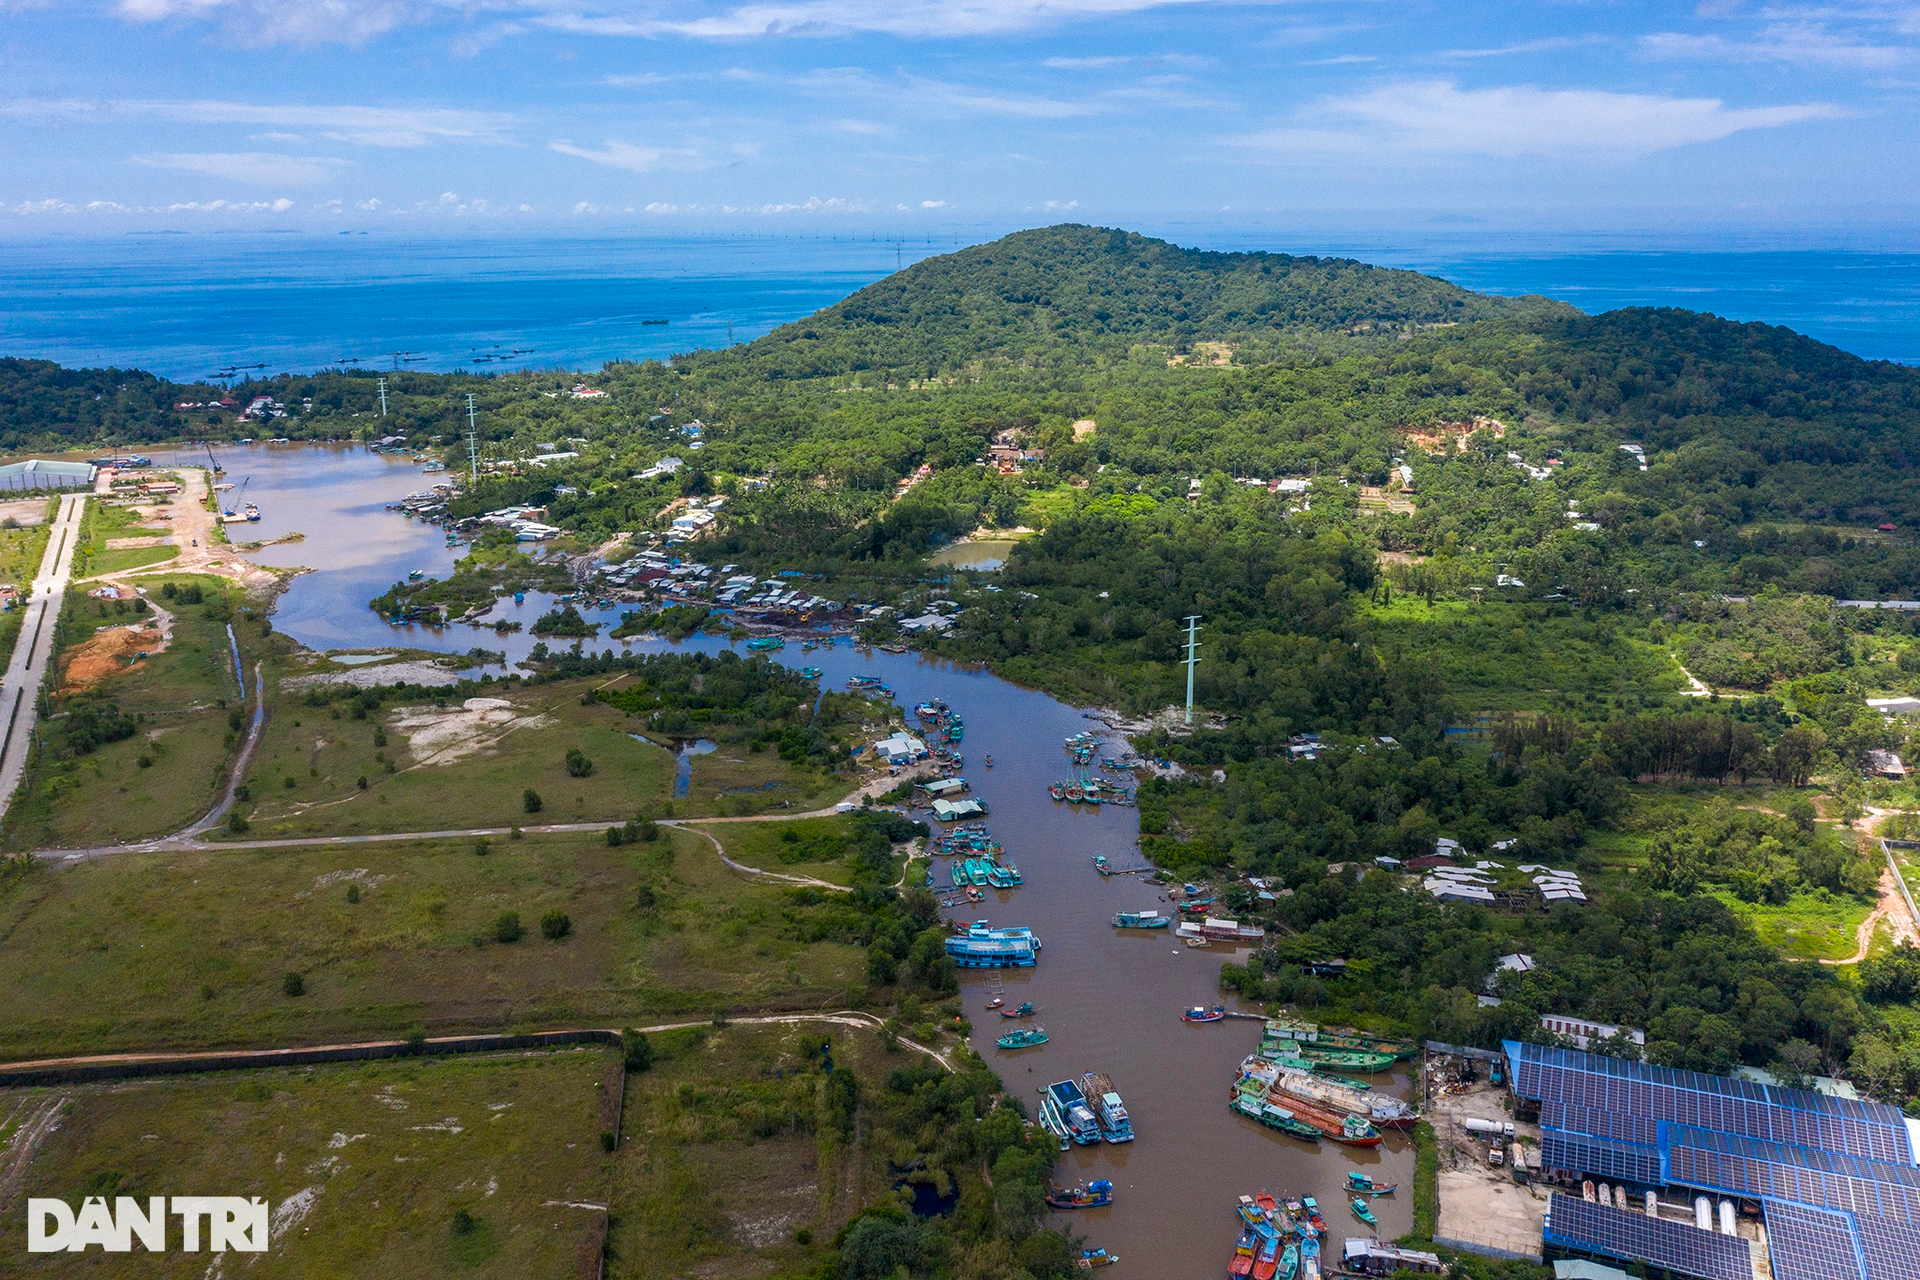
(190, 306)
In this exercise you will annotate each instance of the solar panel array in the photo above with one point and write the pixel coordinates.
(1673, 1246)
(1892, 1252)
(1734, 1165)
(1563, 1077)
(1599, 1158)
(1812, 1244)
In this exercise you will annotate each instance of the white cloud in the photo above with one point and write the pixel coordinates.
(370, 126)
(277, 21)
(1806, 42)
(933, 204)
(260, 168)
(1440, 118)
(1086, 64)
(1525, 46)
(915, 19)
(615, 154)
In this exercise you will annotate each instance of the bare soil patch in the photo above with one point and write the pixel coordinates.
(109, 652)
(443, 737)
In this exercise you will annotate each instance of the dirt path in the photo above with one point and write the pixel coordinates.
(1892, 906)
(1697, 689)
(41, 1118)
(202, 548)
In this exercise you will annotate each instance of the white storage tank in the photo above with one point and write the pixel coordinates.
(1653, 1205)
(1726, 1218)
(1489, 1128)
(1703, 1213)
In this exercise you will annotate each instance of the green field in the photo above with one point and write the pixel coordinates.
(181, 700)
(120, 560)
(189, 950)
(364, 1165)
(817, 847)
(21, 551)
(1813, 925)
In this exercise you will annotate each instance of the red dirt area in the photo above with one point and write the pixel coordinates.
(1436, 438)
(109, 652)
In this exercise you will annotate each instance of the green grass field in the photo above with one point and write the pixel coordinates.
(1813, 925)
(816, 847)
(188, 950)
(364, 1165)
(121, 559)
(181, 699)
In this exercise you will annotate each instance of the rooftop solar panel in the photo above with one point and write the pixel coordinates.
(1601, 1158)
(1812, 1244)
(1891, 1251)
(1674, 1246)
(1735, 1165)
(1564, 1078)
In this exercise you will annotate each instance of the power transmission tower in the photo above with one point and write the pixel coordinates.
(1193, 659)
(473, 442)
(383, 397)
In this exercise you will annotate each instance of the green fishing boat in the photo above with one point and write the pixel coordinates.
(1024, 1038)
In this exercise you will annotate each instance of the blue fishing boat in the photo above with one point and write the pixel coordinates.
(1065, 1114)
(1115, 1124)
(811, 673)
(1024, 1038)
(1094, 1195)
(983, 947)
(1141, 920)
(766, 644)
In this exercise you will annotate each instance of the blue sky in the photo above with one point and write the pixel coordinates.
(429, 115)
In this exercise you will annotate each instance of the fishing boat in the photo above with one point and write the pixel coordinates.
(1024, 1011)
(1289, 1261)
(519, 597)
(1275, 1117)
(1357, 1181)
(414, 576)
(1309, 1257)
(1091, 1258)
(1101, 864)
(1362, 1212)
(1141, 920)
(252, 512)
(1382, 1109)
(811, 673)
(974, 895)
(989, 762)
(766, 644)
(1057, 791)
(1108, 1109)
(1241, 1263)
(1094, 1195)
(996, 1002)
(1338, 1038)
(1268, 1260)
(1065, 1114)
(1200, 1013)
(1024, 1038)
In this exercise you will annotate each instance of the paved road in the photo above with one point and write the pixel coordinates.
(27, 673)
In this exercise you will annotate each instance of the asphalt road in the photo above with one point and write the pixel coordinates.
(27, 673)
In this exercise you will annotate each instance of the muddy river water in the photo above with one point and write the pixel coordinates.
(1110, 1000)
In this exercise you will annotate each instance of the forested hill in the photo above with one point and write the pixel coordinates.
(1092, 287)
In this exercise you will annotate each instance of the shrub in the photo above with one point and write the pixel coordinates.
(353, 892)
(637, 1048)
(361, 782)
(144, 760)
(463, 1223)
(237, 823)
(507, 927)
(481, 848)
(646, 898)
(416, 1038)
(556, 925)
(578, 766)
(530, 801)
(606, 1140)
(294, 985)
(616, 836)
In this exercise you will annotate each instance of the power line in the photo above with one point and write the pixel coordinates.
(383, 397)
(473, 442)
(1193, 658)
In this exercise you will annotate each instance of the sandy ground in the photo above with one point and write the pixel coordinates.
(24, 511)
(442, 737)
(108, 652)
(1479, 1203)
(127, 544)
(426, 673)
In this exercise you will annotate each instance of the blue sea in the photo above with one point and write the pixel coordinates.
(192, 307)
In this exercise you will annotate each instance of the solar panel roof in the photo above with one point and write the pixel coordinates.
(1812, 1244)
(1736, 1165)
(1891, 1251)
(1601, 1158)
(1673, 1246)
(1564, 1077)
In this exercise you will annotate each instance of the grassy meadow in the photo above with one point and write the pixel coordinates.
(191, 949)
(364, 1165)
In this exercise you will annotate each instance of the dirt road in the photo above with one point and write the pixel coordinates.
(27, 672)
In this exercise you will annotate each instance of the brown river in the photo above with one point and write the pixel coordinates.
(1110, 1000)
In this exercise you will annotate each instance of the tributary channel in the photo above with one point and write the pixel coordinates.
(1110, 1000)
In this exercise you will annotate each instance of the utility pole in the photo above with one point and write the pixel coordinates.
(473, 442)
(1193, 659)
(383, 397)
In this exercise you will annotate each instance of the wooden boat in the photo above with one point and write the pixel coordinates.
(990, 765)
(1363, 1213)
(1024, 1011)
(1091, 1258)
(1094, 1195)
(1241, 1263)
(1289, 1262)
(1057, 791)
(995, 1003)
(1312, 1208)
(1200, 1013)
(1360, 1182)
(1266, 1204)
(1268, 1260)
(1101, 864)
(1024, 1038)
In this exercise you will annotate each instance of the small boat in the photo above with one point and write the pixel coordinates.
(1094, 1195)
(766, 644)
(519, 597)
(1268, 1260)
(995, 1003)
(252, 513)
(415, 576)
(989, 762)
(1091, 1258)
(1141, 920)
(1024, 1011)
(1024, 1038)
(1289, 1262)
(1200, 1013)
(811, 673)
(1241, 1263)
(1312, 1208)
(1363, 1213)
(1357, 1181)
(1057, 791)
(1101, 864)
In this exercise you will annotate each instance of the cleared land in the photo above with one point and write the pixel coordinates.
(364, 1165)
(189, 949)
(183, 701)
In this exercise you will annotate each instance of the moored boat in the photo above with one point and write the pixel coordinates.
(1101, 864)
(1024, 1038)
(1362, 1212)
(1024, 1011)
(1200, 1013)
(1091, 1258)
(1241, 1263)
(1141, 920)
(1065, 1114)
(1360, 1182)
(1115, 1124)
(1268, 1259)
(1094, 1195)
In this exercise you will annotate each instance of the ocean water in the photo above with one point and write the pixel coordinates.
(192, 306)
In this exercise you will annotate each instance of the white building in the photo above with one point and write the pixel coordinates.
(1584, 1032)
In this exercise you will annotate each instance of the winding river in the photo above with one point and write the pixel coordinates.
(1109, 999)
